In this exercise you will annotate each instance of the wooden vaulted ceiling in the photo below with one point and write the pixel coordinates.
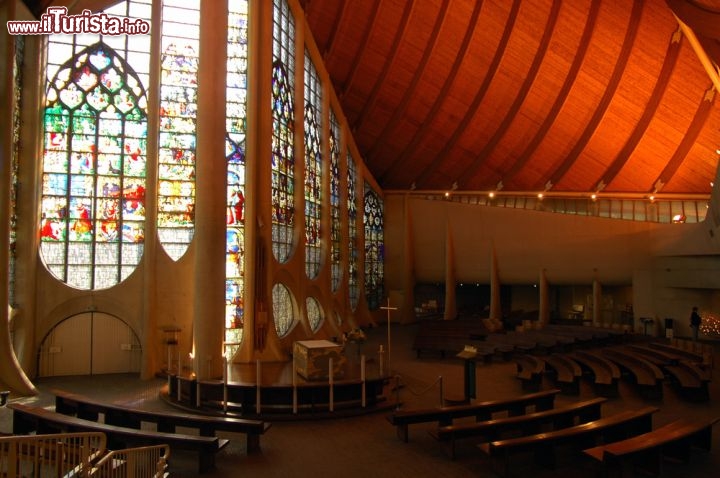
(573, 96)
(526, 95)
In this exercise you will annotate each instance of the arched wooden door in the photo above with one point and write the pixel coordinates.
(90, 343)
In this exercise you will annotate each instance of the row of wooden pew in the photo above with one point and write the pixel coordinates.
(531, 424)
(123, 426)
(648, 366)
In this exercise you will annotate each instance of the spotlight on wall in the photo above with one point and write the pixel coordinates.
(540, 195)
(679, 219)
(491, 194)
(593, 196)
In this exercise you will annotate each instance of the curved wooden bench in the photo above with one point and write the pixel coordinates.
(531, 423)
(27, 419)
(566, 372)
(530, 371)
(166, 421)
(685, 354)
(647, 450)
(605, 373)
(612, 428)
(401, 419)
(647, 376)
(691, 380)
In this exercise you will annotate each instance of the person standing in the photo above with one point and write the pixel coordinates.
(695, 321)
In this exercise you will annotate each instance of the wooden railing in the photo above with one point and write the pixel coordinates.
(78, 455)
(142, 462)
(38, 456)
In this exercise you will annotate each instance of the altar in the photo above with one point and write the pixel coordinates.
(311, 359)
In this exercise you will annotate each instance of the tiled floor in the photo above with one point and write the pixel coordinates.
(366, 446)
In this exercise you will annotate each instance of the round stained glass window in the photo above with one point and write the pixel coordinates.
(314, 313)
(283, 310)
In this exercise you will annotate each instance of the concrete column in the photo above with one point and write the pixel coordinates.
(11, 374)
(408, 307)
(597, 302)
(450, 280)
(544, 299)
(210, 200)
(495, 301)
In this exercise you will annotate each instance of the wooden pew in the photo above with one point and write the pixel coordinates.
(530, 371)
(612, 428)
(605, 374)
(691, 381)
(647, 450)
(566, 372)
(401, 419)
(648, 377)
(528, 424)
(27, 419)
(166, 421)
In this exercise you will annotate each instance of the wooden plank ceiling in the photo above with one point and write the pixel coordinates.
(525, 95)
(574, 96)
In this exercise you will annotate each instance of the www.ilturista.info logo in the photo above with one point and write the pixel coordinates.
(56, 20)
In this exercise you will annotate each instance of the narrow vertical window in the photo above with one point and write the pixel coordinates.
(314, 313)
(18, 59)
(374, 245)
(283, 309)
(178, 124)
(93, 177)
(235, 147)
(313, 168)
(335, 234)
(353, 286)
(283, 132)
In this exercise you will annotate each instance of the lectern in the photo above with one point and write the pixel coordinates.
(469, 356)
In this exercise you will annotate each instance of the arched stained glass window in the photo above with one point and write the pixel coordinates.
(313, 168)
(353, 286)
(93, 179)
(335, 234)
(283, 132)
(374, 248)
(283, 309)
(235, 147)
(314, 313)
(178, 110)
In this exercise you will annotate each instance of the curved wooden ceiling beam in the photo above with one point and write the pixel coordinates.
(401, 108)
(389, 61)
(671, 57)
(469, 181)
(570, 78)
(461, 126)
(689, 138)
(362, 48)
(610, 90)
(331, 41)
(400, 163)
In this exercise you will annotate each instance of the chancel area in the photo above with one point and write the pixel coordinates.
(407, 214)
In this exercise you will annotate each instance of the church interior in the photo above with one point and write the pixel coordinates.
(317, 217)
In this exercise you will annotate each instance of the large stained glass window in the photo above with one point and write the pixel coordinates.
(353, 286)
(313, 168)
(178, 111)
(374, 244)
(235, 147)
(335, 234)
(283, 132)
(283, 309)
(93, 179)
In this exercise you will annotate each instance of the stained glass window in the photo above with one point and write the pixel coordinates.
(93, 182)
(374, 244)
(283, 309)
(353, 286)
(18, 59)
(335, 234)
(313, 168)
(283, 132)
(314, 313)
(235, 146)
(178, 123)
